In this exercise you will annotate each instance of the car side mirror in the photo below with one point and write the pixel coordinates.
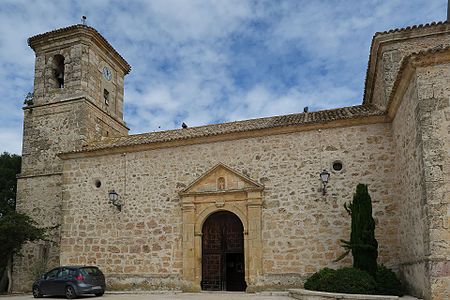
(43, 276)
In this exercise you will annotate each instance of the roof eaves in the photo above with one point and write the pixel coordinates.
(34, 39)
(234, 127)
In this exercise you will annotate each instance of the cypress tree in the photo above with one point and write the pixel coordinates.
(362, 242)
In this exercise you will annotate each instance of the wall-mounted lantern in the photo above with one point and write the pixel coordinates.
(324, 176)
(113, 198)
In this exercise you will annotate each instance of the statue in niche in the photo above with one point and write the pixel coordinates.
(221, 183)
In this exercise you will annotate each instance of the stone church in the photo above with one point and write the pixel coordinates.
(238, 205)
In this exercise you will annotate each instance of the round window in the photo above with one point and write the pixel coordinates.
(337, 166)
(98, 183)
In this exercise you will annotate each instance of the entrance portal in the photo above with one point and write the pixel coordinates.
(223, 253)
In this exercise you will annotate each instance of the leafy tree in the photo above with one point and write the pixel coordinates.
(15, 228)
(362, 244)
(9, 168)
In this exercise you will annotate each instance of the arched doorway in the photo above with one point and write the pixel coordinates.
(223, 265)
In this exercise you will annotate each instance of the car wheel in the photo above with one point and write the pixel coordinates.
(37, 292)
(99, 294)
(70, 293)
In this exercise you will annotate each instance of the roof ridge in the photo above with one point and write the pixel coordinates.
(294, 119)
(325, 111)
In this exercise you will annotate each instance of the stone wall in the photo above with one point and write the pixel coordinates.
(410, 195)
(390, 49)
(49, 130)
(40, 198)
(421, 135)
(84, 61)
(433, 113)
(61, 119)
(301, 228)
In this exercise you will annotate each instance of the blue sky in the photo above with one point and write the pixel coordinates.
(204, 62)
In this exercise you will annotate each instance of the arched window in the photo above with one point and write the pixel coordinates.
(58, 70)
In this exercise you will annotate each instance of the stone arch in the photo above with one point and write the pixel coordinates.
(241, 196)
(223, 252)
(201, 218)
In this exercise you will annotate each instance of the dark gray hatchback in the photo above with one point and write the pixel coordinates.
(70, 281)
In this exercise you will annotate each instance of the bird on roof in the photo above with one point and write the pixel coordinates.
(184, 125)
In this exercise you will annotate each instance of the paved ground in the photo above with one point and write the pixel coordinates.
(170, 296)
(179, 296)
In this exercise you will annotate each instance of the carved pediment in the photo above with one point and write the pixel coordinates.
(221, 179)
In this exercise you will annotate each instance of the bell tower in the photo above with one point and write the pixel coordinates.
(77, 98)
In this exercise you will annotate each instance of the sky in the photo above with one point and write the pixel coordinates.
(206, 62)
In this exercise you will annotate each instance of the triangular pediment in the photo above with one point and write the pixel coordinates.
(220, 179)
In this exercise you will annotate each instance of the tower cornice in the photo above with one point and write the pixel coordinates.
(63, 34)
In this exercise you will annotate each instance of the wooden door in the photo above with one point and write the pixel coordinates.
(223, 253)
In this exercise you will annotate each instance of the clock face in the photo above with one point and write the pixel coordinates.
(107, 73)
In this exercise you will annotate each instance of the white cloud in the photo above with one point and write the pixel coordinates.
(207, 61)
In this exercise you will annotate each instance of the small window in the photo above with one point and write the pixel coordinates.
(106, 96)
(337, 166)
(98, 183)
(58, 70)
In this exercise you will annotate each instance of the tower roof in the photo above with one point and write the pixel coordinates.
(75, 30)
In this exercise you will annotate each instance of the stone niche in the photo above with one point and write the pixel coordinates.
(221, 189)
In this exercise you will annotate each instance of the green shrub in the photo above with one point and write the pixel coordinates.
(387, 282)
(318, 279)
(345, 280)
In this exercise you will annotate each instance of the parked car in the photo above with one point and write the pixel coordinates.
(70, 281)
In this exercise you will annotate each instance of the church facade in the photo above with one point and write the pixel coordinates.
(239, 205)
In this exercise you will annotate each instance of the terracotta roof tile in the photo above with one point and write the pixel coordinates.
(237, 126)
(408, 28)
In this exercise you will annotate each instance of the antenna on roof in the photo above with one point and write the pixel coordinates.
(83, 20)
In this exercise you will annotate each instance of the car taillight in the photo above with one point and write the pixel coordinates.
(79, 277)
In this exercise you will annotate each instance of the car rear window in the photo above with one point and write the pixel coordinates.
(93, 271)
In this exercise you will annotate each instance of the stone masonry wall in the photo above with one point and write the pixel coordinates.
(410, 194)
(40, 198)
(46, 88)
(301, 228)
(83, 65)
(49, 130)
(61, 119)
(397, 46)
(433, 113)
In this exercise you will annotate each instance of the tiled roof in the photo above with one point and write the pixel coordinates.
(79, 26)
(412, 27)
(323, 116)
